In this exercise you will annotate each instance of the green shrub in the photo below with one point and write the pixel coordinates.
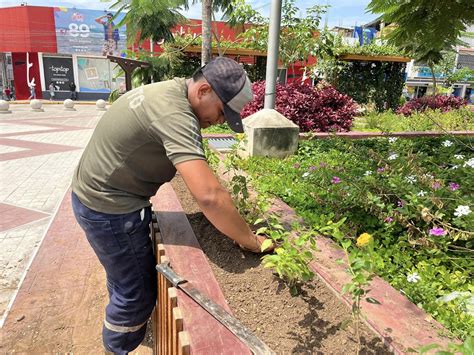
(414, 196)
(430, 120)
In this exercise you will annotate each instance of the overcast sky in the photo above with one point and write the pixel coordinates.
(345, 13)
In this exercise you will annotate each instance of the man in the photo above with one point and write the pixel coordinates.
(111, 35)
(141, 141)
(7, 93)
(32, 91)
(72, 89)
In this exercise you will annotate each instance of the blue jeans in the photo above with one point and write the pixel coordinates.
(123, 245)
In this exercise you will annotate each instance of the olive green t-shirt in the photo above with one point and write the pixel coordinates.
(135, 147)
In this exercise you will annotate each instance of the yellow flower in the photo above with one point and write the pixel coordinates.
(364, 239)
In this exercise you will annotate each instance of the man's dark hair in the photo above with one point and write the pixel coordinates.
(198, 75)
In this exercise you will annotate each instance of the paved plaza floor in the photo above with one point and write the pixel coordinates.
(38, 154)
(52, 286)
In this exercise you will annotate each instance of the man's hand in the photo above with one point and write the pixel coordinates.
(255, 246)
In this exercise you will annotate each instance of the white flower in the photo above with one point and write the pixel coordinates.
(428, 176)
(469, 163)
(421, 193)
(367, 173)
(447, 143)
(454, 167)
(410, 179)
(466, 300)
(462, 211)
(393, 156)
(413, 277)
(305, 174)
(392, 139)
(452, 296)
(458, 156)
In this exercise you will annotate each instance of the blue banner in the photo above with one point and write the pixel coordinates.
(365, 35)
(425, 72)
(81, 31)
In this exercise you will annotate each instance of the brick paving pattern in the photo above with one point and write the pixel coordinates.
(52, 289)
(38, 153)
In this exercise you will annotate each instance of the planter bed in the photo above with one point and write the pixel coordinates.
(401, 191)
(315, 321)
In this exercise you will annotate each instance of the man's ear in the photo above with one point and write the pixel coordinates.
(204, 89)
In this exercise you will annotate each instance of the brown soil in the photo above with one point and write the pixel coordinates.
(315, 321)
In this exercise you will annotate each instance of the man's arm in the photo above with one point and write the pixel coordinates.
(216, 203)
(99, 19)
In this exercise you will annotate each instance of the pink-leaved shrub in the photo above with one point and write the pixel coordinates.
(437, 102)
(312, 109)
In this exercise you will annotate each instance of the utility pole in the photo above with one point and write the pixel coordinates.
(272, 54)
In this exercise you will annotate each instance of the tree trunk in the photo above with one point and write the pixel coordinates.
(431, 66)
(206, 31)
(216, 35)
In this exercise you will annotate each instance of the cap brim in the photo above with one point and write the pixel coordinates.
(233, 119)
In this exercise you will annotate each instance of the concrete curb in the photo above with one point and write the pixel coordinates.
(48, 102)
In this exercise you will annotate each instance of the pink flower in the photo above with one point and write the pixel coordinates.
(296, 166)
(453, 186)
(322, 164)
(388, 220)
(437, 231)
(400, 203)
(336, 180)
(380, 170)
(436, 185)
(312, 168)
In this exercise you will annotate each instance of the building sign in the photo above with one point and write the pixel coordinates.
(94, 74)
(58, 70)
(465, 61)
(425, 72)
(80, 31)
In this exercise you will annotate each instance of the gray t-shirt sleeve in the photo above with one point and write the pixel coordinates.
(181, 137)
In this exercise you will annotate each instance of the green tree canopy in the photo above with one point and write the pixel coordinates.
(299, 37)
(150, 19)
(425, 28)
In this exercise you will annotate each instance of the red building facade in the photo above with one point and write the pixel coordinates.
(29, 34)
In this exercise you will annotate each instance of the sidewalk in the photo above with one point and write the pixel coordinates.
(53, 286)
(38, 153)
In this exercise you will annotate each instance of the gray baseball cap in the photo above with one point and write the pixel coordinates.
(232, 85)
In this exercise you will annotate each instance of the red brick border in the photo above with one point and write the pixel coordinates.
(362, 135)
(207, 336)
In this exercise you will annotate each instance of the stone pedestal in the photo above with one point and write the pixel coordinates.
(100, 105)
(36, 105)
(270, 134)
(69, 105)
(4, 107)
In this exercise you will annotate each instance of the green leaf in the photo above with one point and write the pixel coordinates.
(266, 244)
(261, 230)
(426, 348)
(372, 300)
(346, 244)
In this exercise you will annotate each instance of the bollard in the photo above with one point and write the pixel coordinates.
(4, 107)
(36, 105)
(100, 104)
(69, 105)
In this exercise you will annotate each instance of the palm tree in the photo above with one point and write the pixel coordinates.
(155, 19)
(206, 31)
(208, 7)
(150, 19)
